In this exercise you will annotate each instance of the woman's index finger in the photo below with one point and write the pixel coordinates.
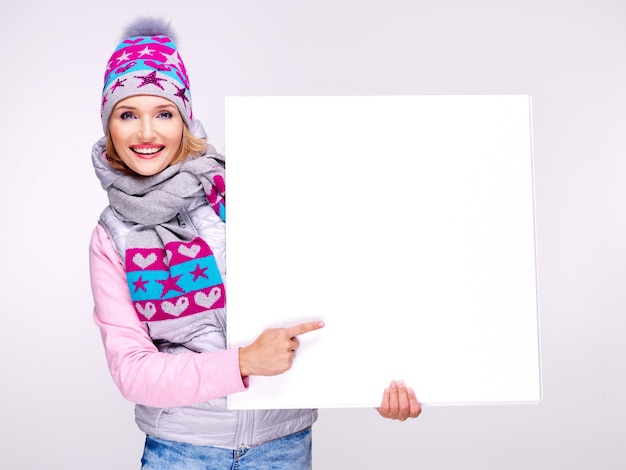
(302, 328)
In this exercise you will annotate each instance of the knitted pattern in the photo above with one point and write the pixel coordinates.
(180, 280)
(171, 271)
(146, 65)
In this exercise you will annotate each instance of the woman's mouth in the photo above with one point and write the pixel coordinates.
(147, 151)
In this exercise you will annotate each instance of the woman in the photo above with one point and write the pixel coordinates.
(157, 262)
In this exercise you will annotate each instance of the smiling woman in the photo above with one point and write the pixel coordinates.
(146, 133)
(157, 261)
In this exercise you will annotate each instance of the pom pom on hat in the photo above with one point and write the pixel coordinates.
(146, 62)
(148, 27)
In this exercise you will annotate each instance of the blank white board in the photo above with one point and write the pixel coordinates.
(406, 223)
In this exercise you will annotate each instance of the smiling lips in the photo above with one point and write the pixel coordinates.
(147, 151)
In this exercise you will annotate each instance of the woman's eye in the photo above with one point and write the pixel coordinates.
(126, 115)
(166, 115)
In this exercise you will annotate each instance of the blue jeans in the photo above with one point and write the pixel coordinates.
(291, 452)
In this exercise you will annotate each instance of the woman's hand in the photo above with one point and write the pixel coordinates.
(399, 402)
(273, 351)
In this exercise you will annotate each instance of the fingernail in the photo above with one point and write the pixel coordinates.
(400, 383)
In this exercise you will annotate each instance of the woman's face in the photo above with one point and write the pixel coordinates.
(146, 132)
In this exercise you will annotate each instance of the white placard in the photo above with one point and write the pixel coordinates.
(406, 223)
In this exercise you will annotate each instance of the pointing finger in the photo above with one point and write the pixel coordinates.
(302, 328)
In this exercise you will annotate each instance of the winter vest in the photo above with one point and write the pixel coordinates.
(210, 423)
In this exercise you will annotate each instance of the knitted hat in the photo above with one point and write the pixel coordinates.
(146, 62)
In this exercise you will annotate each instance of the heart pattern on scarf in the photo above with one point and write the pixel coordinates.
(207, 301)
(159, 250)
(144, 261)
(147, 311)
(189, 251)
(175, 309)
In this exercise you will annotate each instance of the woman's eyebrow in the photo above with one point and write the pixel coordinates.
(133, 108)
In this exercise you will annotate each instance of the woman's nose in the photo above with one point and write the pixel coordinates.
(146, 130)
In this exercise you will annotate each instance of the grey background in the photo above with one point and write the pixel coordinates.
(60, 407)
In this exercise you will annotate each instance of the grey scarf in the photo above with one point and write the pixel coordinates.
(171, 272)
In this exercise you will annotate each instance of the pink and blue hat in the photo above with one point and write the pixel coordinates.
(146, 62)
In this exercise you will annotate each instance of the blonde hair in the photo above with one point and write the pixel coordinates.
(190, 145)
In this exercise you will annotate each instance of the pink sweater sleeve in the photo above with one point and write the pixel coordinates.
(142, 373)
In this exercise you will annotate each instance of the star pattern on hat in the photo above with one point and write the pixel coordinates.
(118, 83)
(173, 59)
(151, 79)
(146, 51)
(141, 61)
(181, 94)
(123, 57)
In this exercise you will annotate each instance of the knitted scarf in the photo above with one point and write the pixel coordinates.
(171, 271)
